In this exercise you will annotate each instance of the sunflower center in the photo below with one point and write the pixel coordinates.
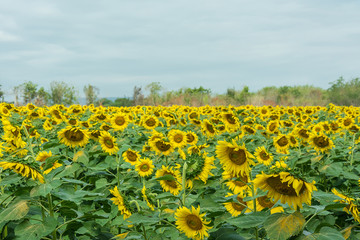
(178, 138)
(190, 138)
(283, 141)
(193, 115)
(162, 146)
(272, 127)
(249, 130)
(264, 155)
(303, 133)
(108, 143)
(106, 127)
(131, 156)
(242, 182)
(74, 135)
(101, 117)
(292, 140)
(194, 222)
(238, 207)
(144, 168)
(95, 134)
(85, 124)
(347, 122)
(210, 128)
(120, 121)
(72, 121)
(237, 156)
(171, 183)
(283, 187)
(150, 122)
(321, 141)
(265, 202)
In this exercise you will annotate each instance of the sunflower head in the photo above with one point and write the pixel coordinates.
(144, 167)
(73, 136)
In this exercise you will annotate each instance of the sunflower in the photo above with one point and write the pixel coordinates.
(42, 156)
(95, 134)
(131, 156)
(191, 138)
(119, 201)
(148, 200)
(262, 156)
(119, 121)
(161, 147)
(191, 222)
(177, 138)
(199, 166)
(55, 165)
(108, 143)
(281, 143)
(320, 142)
(231, 121)
(208, 128)
(172, 186)
(234, 158)
(144, 167)
(272, 127)
(23, 169)
(351, 207)
(73, 136)
(149, 122)
(236, 183)
(236, 208)
(286, 188)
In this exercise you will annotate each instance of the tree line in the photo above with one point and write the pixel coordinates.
(340, 92)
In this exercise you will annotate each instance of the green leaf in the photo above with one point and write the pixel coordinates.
(281, 226)
(326, 233)
(101, 183)
(225, 233)
(249, 220)
(335, 206)
(325, 198)
(15, 211)
(166, 177)
(333, 169)
(68, 170)
(29, 231)
(41, 190)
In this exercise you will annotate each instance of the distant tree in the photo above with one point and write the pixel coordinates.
(1, 94)
(138, 97)
(345, 93)
(154, 88)
(123, 102)
(91, 93)
(43, 97)
(29, 91)
(61, 93)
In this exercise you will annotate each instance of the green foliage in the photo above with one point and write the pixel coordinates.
(345, 93)
(61, 93)
(91, 93)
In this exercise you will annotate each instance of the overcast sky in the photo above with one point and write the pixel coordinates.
(116, 45)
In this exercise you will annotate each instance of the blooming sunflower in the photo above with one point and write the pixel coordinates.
(236, 208)
(73, 136)
(108, 143)
(286, 188)
(191, 138)
(236, 183)
(177, 138)
(131, 156)
(144, 167)
(234, 158)
(281, 143)
(42, 156)
(149, 122)
(231, 121)
(199, 166)
(208, 128)
(55, 165)
(320, 142)
(172, 186)
(161, 147)
(191, 222)
(262, 156)
(119, 121)
(23, 169)
(119, 201)
(148, 200)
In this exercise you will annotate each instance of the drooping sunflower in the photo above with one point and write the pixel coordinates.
(231, 121)
(320, 142)
(108, 143)
(208, 128)
(95, 134)
(144, 167)
(161, 147)
(131, 156)
(286, 188)
(236, 208)
(119, 201)
(263, 156)
(192, 223)
(55, 165)
(281, 143)
(199, 166)
(73, 136)
(24, 170)
(148, 200)
(172, 186)
(177, 138)
(351, 207)
(234, 158)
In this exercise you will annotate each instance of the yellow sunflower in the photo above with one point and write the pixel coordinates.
(191, 138)
(73, 136)
(144, 167)
(177, 138)
(23, 169)
(320, 142)
(119, 201)
(208, 128)
(262, 156)
(236, 183)
(192, 223)
(55, 165)
(234, 158)
(108, 143)
(131, 156)
(281, 143)
(42, 156)
(149, 122)
(148, 200)
(161, 147)
(351, 207)
(236, 208)
(172, 186)
(119, 121)
(286, 188)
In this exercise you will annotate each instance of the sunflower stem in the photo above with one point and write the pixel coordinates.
(144, 231)
(51, 211)
(352, 151)
(184, 183)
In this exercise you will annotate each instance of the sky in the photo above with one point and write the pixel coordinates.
(116, 45)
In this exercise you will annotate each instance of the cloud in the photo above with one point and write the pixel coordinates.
(8, 37)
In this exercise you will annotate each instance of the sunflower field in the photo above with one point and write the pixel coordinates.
(153, 172)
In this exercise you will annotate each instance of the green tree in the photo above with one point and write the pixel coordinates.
(91, 93)
(345, 93)
(61, 93)
(154, 89)
(29, 91)
(1, 94)
(43, 97)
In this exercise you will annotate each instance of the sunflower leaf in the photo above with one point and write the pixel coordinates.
(249, 220)
(15, 211)
(326, 233)
(281, 226)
